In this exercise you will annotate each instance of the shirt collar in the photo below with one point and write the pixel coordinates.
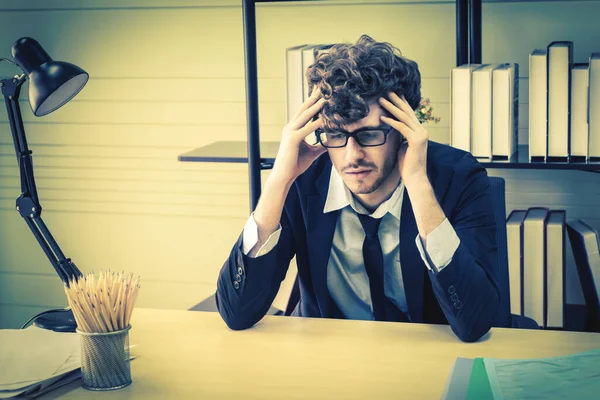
(339, 196)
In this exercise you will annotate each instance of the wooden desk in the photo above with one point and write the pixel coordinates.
(185, 355)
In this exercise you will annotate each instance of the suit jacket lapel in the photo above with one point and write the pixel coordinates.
(320, 229)
(413, 267)
(410, 261)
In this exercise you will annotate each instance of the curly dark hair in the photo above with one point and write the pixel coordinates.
(351, 76)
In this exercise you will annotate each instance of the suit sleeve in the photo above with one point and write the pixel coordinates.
(467, 288)
(246, 287)
(250, 238)
(441, 244)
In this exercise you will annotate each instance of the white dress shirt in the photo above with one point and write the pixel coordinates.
(347, 279)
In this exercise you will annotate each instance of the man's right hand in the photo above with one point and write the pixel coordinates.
(293, 158)
(295, 155)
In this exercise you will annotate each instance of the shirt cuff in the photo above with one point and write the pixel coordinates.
(250, 238)
(441, 244)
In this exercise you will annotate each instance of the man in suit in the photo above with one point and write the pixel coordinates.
(384, 223)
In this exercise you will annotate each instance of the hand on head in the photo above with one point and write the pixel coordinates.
(412, 154)
(295, 155)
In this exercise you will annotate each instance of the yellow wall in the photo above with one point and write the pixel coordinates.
(167, 77)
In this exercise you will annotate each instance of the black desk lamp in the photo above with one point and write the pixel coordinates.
(51, 84)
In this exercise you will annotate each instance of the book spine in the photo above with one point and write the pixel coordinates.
(594, 107)
(560, 61)
(538, 110)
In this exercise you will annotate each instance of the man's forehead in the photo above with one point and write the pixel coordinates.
(372, 120)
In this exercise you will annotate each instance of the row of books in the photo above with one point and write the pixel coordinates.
(536, 244)
(484, 109)
(564, 104)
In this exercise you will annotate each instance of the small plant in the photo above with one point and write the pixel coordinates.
(424, 112)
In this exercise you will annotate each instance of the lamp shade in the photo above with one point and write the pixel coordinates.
(51, 83)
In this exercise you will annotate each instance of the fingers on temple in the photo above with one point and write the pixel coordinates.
(308, 114)
(308, 103)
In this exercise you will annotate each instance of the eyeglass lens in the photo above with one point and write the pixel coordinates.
(364, 138)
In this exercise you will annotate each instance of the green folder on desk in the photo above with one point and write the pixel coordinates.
(468, 381)
(479, 384)
(568, 376)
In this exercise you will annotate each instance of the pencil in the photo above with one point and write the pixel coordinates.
(103, 302)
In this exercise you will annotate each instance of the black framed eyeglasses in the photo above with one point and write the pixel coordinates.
(366, 137)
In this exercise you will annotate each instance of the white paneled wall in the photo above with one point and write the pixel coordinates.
(167, 77)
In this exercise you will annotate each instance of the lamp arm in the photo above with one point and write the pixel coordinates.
(11, 88)
(28, 203)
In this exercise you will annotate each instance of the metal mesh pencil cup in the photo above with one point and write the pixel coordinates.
(105, 359)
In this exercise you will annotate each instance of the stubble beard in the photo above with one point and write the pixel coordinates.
(388, 165)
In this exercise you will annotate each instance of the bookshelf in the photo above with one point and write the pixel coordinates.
(236, 152)
(260, 155)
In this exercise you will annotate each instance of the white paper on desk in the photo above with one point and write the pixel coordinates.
(39, 388)
(67, 373)
(574, 376)
(33, 354)
(58, 378)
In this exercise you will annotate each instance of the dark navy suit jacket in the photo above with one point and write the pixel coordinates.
(464, 294)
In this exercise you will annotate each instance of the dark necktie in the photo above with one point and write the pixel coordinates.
(383, 308)
(373, 258)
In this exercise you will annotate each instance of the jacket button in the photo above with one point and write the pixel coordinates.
(236, 285)
(451, 289)
(454, 297)
(240, 271)
(458, 304)
(238, 278)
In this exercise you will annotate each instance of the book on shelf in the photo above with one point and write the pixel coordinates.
(460, 106)
(534, 261)
(505, 110)
(298, 59)
(294, 79)
(594, 106)
(586, 248)
(309, 55)
(555, 269)
(514, 246)
(579, 110)
(481, 111)
(540, 279)
(538, 110)
(560, 61)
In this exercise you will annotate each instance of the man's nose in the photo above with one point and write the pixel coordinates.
(354, 151)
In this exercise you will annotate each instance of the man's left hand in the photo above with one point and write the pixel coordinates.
(412, 154)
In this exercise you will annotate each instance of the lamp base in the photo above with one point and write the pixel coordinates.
(59, 321)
